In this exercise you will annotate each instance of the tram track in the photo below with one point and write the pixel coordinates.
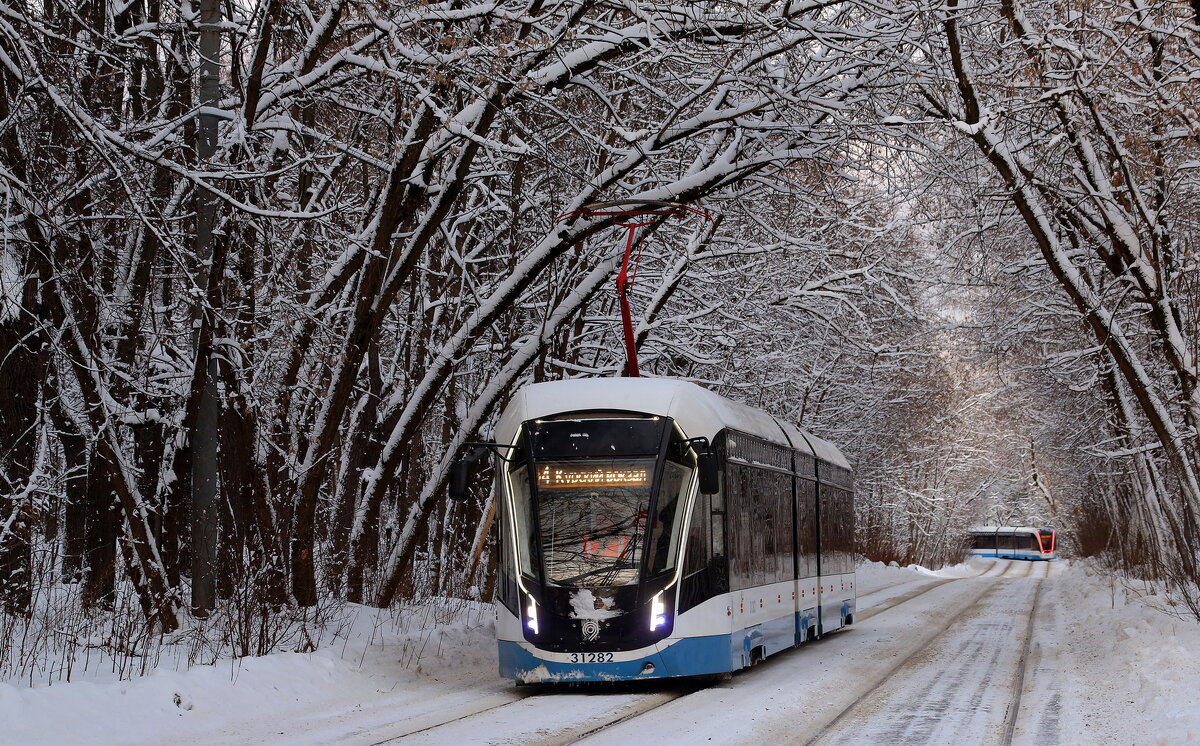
(901, 665)
(574, 738)
(571, 734)
(893, 602)
(652, 701)
(648, 703)
(996, 570)
(1019, 680)
(886, 605)
(397, 737)
(859, 712)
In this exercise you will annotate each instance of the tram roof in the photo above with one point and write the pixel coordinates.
(1007, 529)
(697, 410)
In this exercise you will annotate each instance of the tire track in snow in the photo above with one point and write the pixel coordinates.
(1017, 569)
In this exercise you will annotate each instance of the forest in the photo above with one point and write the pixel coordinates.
(266, 266)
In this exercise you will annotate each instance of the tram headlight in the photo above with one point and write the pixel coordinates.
(658, 612)
(531, 616)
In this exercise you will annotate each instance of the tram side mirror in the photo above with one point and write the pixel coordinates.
(460, 471)
(710, 477)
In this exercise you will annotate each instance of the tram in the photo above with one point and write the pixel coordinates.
(650, 528)
(1012, 542)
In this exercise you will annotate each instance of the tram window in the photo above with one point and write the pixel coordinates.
(665, 529)
(704, 573)
(806, 464)
(741, 572)
(740, 548)
(760, 522)
(832, 520)
(985, 541)
(835, 524)
(763, 545)
(847, 528)
(506, 582)
(696, 555)
(763, 530)
(778, 498)
(718, 534)
(847, 531)
(774, 527)
(806, 527)
(842, 530)
(597, 437)
(851, 528)
(523, 508)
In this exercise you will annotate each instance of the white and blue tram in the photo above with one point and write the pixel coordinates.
(1012, 542)
(651, 528)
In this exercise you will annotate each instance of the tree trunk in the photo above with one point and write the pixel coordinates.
(100, 535)
(20, 383)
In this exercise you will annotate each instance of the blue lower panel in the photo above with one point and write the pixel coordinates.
(693, 656)
(804, 620)
(1008, 555)
(773, 636)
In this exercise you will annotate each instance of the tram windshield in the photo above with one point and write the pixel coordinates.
(1045, 540)
(592, 516)
(598, 522)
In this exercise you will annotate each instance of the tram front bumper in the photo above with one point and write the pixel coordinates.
(693, 656)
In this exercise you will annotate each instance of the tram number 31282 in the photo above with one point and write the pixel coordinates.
(591, 657)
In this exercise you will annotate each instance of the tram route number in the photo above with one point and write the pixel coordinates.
(591, 657)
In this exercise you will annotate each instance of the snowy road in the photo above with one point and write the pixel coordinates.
(930, 662)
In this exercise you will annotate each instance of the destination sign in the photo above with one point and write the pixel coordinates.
(553, 477)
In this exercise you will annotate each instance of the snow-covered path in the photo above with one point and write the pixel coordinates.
(986, 653)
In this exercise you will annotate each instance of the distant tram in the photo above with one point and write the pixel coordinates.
(1012, 542)
(651, 528)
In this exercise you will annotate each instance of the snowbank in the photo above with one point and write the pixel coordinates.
(382, 657)
(1131, 670)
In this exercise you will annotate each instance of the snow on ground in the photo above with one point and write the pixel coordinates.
(1131, 671)
(383, 659)
(1110, 665)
